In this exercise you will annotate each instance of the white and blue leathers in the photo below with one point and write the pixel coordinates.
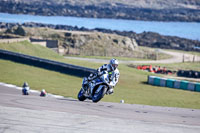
(114, 74)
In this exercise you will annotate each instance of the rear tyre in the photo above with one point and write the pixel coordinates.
(81, 97)
(99, 95)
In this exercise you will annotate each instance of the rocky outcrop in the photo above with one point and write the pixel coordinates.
(98, 44)
(159, 10)
(79, 42)
(149, 39)
(155, 40)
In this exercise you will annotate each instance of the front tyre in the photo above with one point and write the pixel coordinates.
(98, 95)
(25, 92)
(81, 97)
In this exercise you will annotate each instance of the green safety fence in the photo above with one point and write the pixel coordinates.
(184, 85)
(172, 83)
(197, 87)
(157, 81)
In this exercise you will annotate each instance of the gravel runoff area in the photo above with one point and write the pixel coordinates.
(176, 58)
(19, 113)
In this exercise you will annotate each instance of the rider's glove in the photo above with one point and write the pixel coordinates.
(101, 73)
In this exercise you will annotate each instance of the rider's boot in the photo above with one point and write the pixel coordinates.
(110, 91)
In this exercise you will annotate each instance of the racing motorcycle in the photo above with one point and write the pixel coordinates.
(25, 90)
(96, 88)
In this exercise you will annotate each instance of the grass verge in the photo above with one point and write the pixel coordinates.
(160, 55)
(132, 85)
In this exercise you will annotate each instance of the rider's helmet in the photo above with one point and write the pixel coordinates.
(25, 84)
(114, 63)
(43, 93)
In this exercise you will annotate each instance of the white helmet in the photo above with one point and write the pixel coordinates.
(114, 64)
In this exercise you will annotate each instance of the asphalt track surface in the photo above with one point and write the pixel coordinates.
(19, 113)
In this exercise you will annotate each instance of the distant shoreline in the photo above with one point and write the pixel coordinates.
(188, 30)
(119, 11)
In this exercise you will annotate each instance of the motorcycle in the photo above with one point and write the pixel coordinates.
(96, 88)
(25, 90)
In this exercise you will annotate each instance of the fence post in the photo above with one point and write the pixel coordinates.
(193, 58)
(183, 58)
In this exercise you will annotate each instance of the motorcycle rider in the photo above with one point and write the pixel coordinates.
(25, 88)
(112, 70)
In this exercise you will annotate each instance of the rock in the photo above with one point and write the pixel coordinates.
(96, 43)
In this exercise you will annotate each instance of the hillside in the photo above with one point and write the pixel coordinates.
(87, 43)
(149, 39)
(149, 10)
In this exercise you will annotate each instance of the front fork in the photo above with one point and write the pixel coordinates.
(87, 87)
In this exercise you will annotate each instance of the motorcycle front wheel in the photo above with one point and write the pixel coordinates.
(81, 97)
(25, 92)
(99, 95)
